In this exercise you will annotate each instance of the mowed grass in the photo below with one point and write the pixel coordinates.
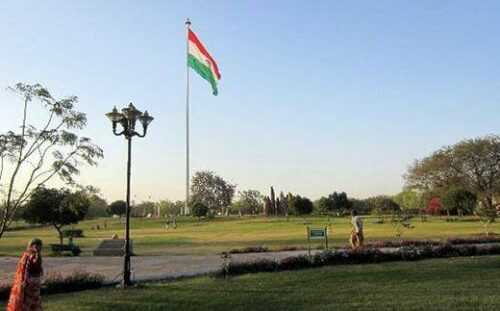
(440, 284)
(221, 234)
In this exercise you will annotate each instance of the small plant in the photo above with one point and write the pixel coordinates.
(226, 257)
(401, 221)
(487, 215)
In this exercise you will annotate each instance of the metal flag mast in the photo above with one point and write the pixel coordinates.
(186, 204)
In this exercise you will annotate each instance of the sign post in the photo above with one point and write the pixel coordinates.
(317, 234)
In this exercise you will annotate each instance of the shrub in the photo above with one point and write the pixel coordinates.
(410, 253)
(295, 263)
(56, 283)
(444, 250)
(199, 209)
(482, 239)
(361, 256)
(262, 265)
(250, 249)
(4, 291)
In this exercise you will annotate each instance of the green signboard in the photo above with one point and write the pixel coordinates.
(317, 233)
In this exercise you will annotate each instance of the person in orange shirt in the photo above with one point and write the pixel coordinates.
(25, 292)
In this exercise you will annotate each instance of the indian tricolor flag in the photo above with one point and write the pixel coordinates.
(201, 61)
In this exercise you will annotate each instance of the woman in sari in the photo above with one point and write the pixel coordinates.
(25, 292)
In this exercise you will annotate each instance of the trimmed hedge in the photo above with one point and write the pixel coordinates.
(361, 256)
(251, 249)
(56, 283)
(480, 239)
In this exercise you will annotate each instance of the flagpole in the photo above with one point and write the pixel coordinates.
(186, 204)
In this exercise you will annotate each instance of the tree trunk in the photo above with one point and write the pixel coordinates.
(59, 231)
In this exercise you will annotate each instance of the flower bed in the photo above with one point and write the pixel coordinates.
(362, 256)
(56, 283)
(479, 239)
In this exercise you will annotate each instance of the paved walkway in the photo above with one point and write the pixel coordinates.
(149, 268)
(144, 267)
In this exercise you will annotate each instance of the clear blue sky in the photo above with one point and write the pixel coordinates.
(315, 96)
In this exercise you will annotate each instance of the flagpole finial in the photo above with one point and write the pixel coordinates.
(188, 22)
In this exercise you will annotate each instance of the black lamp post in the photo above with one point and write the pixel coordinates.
(127, 119)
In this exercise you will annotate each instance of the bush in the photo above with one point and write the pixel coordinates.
(250, 249)
(4, 291)
(56, 283)
(361, 256)
(295, 263)
(482, 239)
(262, 265)
(199, 209)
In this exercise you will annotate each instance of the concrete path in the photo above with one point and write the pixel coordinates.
(150, 268)
(144, 267)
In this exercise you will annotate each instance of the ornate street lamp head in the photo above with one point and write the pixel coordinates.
(128, 119)
(131, 113)
(114, 116)
(145, 119)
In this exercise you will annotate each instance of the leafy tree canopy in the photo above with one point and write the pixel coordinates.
(41, 148)
(213, 191)
(56, 207)
(118, 207)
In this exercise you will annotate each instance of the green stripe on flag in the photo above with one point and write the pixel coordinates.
(204, 71)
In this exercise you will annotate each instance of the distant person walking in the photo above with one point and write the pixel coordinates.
(357, 236)
(25, 292)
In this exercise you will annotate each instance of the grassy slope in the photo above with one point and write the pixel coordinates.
(150, 236)
(440, 284)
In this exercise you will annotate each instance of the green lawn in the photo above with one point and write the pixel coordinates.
(221, 234)
(439, 284)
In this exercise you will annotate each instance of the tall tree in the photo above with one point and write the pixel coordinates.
(98, 206)
(458, 201)
(213, 191)
(283, 204)
(37, 153)
(409, 200)
(273, 202)
(300, 205)
(267, 206)
(118, 207)
(250, 202)
(340, 202)
(382, 205)
(56, 207)
(471, 164)
(324, 205)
